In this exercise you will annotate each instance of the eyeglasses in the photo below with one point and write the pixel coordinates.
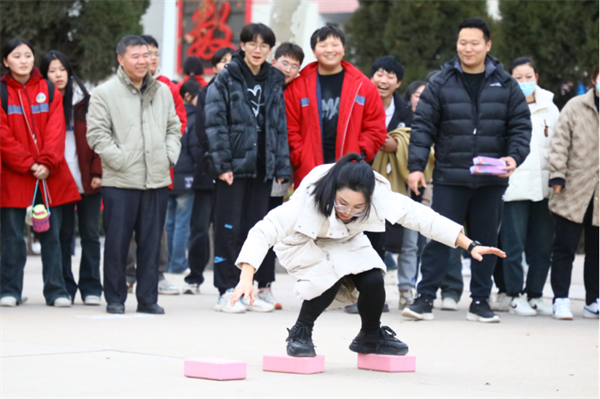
(345, 209)
(252, 45)
(155, 54)
(287, 65)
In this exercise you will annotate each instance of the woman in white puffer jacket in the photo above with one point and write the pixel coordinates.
(527, 225)
(318, 238)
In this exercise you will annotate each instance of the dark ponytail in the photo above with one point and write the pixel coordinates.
(352, 172)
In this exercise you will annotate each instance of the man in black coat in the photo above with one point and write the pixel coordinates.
(471, 108)
(247, 136)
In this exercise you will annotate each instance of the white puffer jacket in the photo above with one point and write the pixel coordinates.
(530, 180)
(318, 251)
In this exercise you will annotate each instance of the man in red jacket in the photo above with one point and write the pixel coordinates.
(332, 108)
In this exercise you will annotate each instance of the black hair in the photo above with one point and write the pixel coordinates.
(475, 23)
(150, 41)
(324, 33)
(410, 90)
(193, 66)
(220, 53)
(251, 31)
(13, 44)
(389, 64)
(352, 172)
(291, 50)
(71, 77)
(191, 86)
(129, 41)
(522, 61)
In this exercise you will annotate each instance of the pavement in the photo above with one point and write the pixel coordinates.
(82, 352)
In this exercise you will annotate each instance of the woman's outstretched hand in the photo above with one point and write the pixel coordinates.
(246, 285)
(479, 250)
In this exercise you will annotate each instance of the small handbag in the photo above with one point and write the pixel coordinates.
(40, 214)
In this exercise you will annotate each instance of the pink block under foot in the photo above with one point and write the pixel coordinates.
(392, 364)
(215, 369)
(296, 365)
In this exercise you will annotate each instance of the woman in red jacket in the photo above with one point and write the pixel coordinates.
(86, 168)
(32, 144)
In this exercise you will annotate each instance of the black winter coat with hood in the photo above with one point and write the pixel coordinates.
(497, 125)
(231, 126)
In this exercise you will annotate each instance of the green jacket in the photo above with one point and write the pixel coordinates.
(136, 135)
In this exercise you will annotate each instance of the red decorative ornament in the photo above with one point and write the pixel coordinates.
(208, 20)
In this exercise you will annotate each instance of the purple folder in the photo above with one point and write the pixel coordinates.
(488, 161)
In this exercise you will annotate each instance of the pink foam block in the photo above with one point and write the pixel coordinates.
(392, 364)
(215, 369)
(296, 365)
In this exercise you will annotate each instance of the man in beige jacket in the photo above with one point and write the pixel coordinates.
(133, 126)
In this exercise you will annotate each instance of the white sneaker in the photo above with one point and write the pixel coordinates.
(91, 300)
(165, 287)
(8, 301)
(591, 311)
(258, 306)
(223, 304)
(520, 307)
(449, 304)
(502, 303)
(562, 309)
(191, 289)
(36, 247)
(266, 294)
(540, 307)
(62, 302)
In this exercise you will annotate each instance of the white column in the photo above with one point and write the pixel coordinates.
(169, 44)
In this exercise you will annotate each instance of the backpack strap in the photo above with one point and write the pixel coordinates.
(50, 91)
(4, 96)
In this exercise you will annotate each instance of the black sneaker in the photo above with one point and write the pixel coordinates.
(420, 310)
(381, 342)
(299, 342)
(115, 308)
(480, 311)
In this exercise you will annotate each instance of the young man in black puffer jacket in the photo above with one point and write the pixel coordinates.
(247, 136)
(471, 108)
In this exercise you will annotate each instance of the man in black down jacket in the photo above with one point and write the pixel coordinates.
(471, 108)
(247, 135)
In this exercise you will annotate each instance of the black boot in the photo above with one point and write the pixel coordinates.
(380, 342)
(299, 342)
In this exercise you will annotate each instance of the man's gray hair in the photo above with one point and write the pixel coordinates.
(129, 41)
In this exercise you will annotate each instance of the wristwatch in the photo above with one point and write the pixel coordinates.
(473, 245)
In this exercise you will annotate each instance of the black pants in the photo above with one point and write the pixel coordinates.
(199, 246)
(127, 211)
(265, 274)
(481, 208)
(566, 240)
(88, 216)
(370, 301)
(237, 209)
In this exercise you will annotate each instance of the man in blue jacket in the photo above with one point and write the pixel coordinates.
(471, 108)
